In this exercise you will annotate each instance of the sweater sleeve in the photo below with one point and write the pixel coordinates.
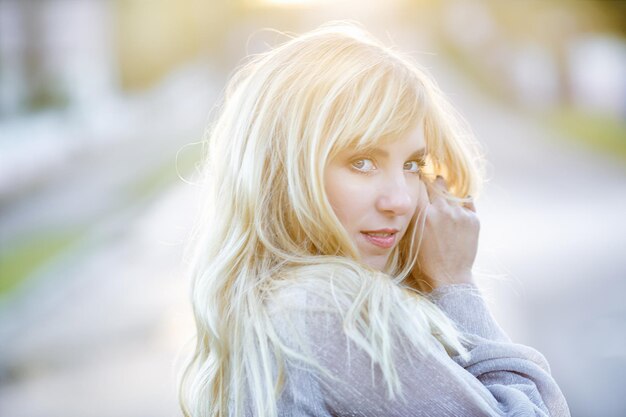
(498, 378)
(517, 376)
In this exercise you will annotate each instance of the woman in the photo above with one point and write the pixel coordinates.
(332, 269)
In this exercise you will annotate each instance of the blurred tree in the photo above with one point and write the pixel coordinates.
(155, 36)
(615, 12)
(40, 89)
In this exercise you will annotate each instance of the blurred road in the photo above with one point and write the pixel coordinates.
(105, 345)
(101, 339)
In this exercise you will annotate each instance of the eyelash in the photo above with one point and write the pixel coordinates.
(420, 164)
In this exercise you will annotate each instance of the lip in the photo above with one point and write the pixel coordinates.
(382, 242)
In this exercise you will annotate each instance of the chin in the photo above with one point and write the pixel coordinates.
(374, 263)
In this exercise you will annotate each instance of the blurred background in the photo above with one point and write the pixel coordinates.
(102, 106)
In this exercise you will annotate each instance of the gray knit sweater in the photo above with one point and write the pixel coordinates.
(514, 379)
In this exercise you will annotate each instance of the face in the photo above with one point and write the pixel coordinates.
(375, 194)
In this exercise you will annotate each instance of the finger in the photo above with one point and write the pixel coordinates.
(470, 204)
(440, 183)
(437, 190)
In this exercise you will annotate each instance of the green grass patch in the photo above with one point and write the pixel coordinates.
(599, 132)
(21, 260)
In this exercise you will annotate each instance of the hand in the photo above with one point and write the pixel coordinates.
(449, 238)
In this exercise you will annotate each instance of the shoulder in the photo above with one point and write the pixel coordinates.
(297, 310)
(349, 371)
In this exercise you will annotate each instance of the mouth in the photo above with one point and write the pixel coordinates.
(383, 238)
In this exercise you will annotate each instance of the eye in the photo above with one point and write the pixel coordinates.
(364, 165)
(413, 166)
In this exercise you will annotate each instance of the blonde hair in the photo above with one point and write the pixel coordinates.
(267, 223)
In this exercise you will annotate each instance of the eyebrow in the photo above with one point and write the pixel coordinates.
(418, 154)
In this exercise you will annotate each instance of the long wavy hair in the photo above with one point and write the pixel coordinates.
(266, 221)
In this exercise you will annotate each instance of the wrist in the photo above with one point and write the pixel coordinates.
(463, 277)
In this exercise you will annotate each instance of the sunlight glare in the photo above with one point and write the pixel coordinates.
(279, 3)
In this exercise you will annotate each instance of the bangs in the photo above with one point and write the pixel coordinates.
(381, 106)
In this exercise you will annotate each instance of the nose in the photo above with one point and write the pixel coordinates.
(395, 197)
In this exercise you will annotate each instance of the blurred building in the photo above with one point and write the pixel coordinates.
(54, 54)
(60, 53)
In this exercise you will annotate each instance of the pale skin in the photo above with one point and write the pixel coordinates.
(377, 194)
(449, 239)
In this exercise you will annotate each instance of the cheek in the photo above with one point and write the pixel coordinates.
(345, 204)
(346, 198)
